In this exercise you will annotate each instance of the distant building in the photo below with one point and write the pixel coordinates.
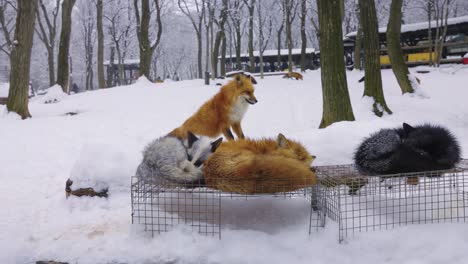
(131, 68)
(416, 45)
(270, 60)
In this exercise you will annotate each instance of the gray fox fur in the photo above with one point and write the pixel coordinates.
(408, 149)
(169, 160)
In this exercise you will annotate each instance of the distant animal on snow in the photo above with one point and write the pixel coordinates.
(222, 112)
(250, 166)
(169, 160)
(295, 75)
(408, 149)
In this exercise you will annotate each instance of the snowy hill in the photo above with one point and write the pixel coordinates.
(105, 139)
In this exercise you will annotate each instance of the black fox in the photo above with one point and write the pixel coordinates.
(408, 149)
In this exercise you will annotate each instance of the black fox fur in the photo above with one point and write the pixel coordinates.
(407, 149)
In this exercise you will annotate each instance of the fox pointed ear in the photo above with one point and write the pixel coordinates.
(407, 129)
(282, 141)
(238, 79)
(191, 138)
(215, 144)
(252, 79)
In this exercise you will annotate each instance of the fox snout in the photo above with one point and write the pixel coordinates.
(251, 100)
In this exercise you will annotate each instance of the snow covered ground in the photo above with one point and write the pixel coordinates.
(105, 139)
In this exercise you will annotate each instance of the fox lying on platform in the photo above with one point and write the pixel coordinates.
(222, 112)
(259, 166)
(172, 160)
(408, 149)
(296, 75)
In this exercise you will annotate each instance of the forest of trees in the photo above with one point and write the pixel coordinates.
(73, 38)
(197, 20)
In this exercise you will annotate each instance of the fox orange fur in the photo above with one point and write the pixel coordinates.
(259, 166)
(296, 75)
(222, 112)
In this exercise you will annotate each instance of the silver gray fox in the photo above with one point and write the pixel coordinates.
(171, 160)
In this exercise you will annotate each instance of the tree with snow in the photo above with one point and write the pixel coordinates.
(64, 46)
(399, 67)
(7, 10)
(336, 102)
(373, 80)
(21, 58)
(195, 12)
(143, 19)
(100, 40)
(47, 32)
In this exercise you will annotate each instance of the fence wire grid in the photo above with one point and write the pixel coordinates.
(161, 206)
(356, 202)
(362, 203)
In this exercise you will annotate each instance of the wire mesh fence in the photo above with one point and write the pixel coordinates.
(362, 203)
(161, 206)
(356, 202)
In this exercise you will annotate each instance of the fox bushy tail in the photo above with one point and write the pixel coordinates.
(260, 174)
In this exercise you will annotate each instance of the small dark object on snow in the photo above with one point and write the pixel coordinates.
(51, 101)
(71, 113)
(423, 71)
(50, 262)
(408, 149)
(83, 191)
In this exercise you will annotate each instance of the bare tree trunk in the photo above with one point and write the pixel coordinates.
(238, 48)
(7, 45)
(303, 35)
(287, 7)
(197, 25)
(357, 49)
(146, 47)
(336, 102)
(51, 66)
(251, 7)
(278, 44)
(437, 35)
(100, 39)
(373, 80)
(444, 20)
(236, 21)
(399, 67)
(21, 58)
(110, 69)
(262, 41)
(212, 9)
(48, 38)
(64, 46)
(199, 55)
(207, 49)
(429, 31)
(223, 56)
(220, 37)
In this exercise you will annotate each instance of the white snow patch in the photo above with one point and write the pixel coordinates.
(102, 146)
(54, 94)
(418, 91)
(102, 166)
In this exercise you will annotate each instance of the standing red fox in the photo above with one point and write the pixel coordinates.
(259, 166)
(296, 75)
(222, 112)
